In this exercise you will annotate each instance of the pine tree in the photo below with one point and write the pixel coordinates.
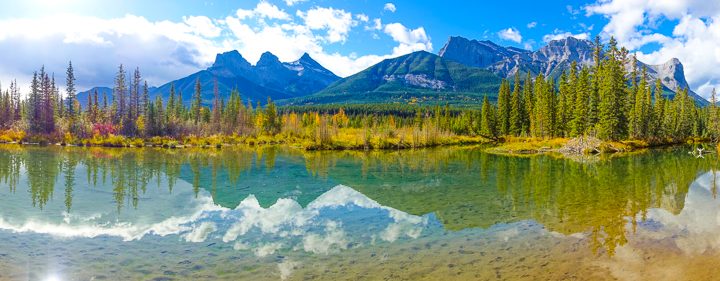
(197, 101)
(70, 91)
(159, 120)
(581, 108)
(638, 126)
(170, 109)
(713, 120)
(544, 108)
(612, 93)
(517, 109)
(15, 92)
(564, 105)
(594, 105)
(504, 108)
(34, 117)
(529, 98)
(271, 123)
(47, 108)
(95, 108)
(119, 99)
(216, 110)
(487, 119)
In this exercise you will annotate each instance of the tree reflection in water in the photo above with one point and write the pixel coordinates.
(463, 187)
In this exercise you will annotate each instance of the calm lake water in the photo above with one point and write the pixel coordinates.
(284, 214)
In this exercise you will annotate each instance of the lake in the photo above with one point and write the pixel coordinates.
(276, 213)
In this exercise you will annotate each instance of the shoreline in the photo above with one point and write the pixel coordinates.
(514, 147)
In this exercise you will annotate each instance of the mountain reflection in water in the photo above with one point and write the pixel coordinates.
(275, 200)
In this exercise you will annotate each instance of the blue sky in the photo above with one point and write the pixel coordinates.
(170, 39)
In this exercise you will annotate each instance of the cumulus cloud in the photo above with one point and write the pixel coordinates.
(558, 35)
(695, 38)
(293, 2)
(511, 34)
(410, 40)
(390, 7)
(97, 46)
(264, 10)
(166, 50)
(532, 24)
(362, 17)
(336, 22)
(201, 232)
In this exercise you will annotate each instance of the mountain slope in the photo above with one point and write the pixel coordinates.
(82, 97)
(419, 76)
(551, 60)
(268, 78)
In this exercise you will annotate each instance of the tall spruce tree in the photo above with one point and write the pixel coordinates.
(517, 109)
(197, 102)
(581, 108)
(487, 119)
(71, 95)
(504, 108)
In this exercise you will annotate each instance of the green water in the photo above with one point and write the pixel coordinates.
(282, 214)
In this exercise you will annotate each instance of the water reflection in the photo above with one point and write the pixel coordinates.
(277, 201)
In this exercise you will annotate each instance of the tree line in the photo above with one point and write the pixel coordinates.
(603, 100)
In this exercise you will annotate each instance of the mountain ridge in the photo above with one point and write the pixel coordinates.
(307, 80)
(416, 77)
(268, 78)
(551, 60)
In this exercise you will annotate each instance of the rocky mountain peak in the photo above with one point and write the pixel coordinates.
(550, 60)
(268, 59)
(230, 60)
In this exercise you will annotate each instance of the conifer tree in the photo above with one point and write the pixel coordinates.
(487, 119)
(197, 102)
(581, 120)
(216, 110)
(612, 93)
(504, 108)
(70, 91)
(119, 96)
(529, 98)
(517, 109)
(713, 120)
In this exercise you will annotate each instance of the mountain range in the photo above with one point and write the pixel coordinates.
(552, 59)
(419, 76)
(267, 78)
(462, 73)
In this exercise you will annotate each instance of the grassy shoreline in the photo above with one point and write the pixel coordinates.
(344, 142)
(533, 146)
(357, 140)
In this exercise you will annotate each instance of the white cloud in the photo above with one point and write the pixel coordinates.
(164, 50)
(293, 2)
(203, 26)
(362, 17)
(390, 7)
(264, 10)
(410, 40)
(377, 24)
(532, 24)
(336, 22)
(511, 34)
(201, 232)
(558, 35)
(695, 39)
(167, 50)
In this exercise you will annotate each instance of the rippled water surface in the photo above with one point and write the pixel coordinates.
(284, 214)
